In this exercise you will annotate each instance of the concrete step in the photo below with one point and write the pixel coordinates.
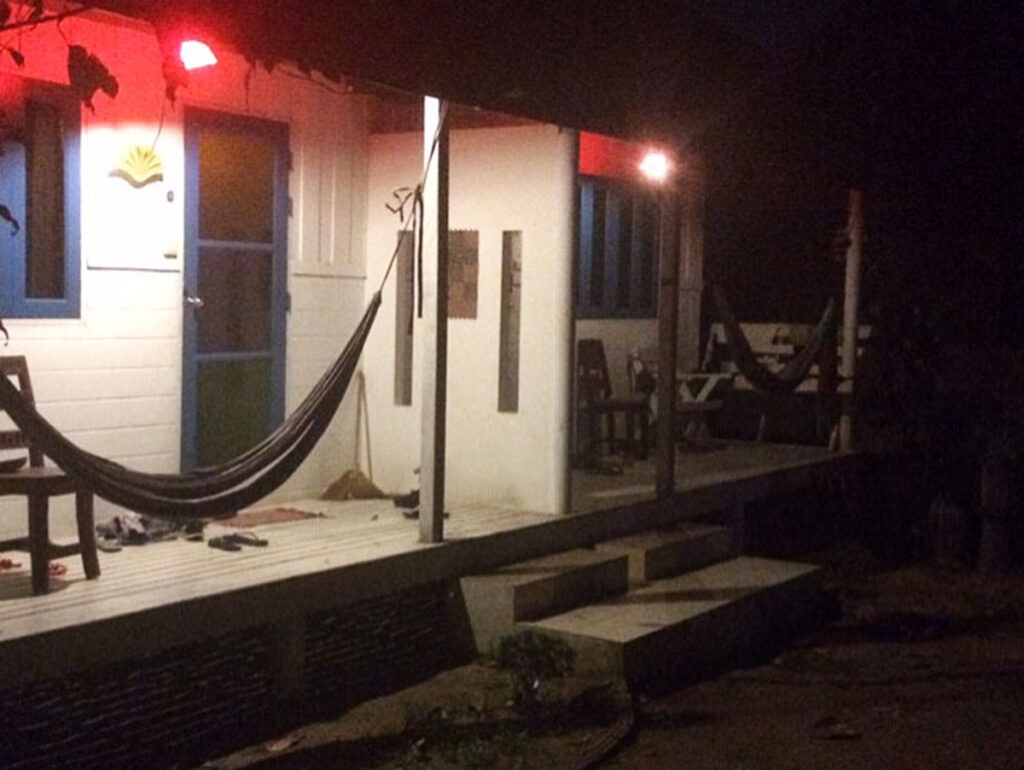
(686, 628)
(654, 555)
(496, 601)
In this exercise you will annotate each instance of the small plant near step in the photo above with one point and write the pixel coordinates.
(471, 753)
(531, 659)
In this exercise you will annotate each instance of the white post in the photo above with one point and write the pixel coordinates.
(855, 232)
(563, 377)
(434, 329)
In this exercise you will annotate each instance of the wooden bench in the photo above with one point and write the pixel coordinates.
(39, 482)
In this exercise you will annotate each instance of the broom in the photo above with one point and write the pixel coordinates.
(353, 484)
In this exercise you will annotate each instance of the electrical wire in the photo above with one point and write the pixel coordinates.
(417, 194)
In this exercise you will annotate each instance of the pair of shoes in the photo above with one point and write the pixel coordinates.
(108, 544)
(235, 541)
(247, 538)
(223, 543)
(410, 500)
(415, 514)
(193, 531)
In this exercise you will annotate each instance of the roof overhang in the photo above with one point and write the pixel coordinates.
(647, 71)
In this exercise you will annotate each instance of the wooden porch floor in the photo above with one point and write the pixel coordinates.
(160, 595)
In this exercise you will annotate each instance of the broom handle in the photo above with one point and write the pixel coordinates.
(366, 419)
(363, 415)
(359, 412)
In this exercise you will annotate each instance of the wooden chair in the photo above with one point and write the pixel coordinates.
(39, 483)
(596, 401)
(694, 402)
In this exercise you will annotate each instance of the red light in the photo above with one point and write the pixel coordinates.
(195, 54)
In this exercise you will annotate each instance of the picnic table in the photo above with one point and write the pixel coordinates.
(695, 402)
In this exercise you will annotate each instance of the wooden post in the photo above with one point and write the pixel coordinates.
(668, 312)
(855, 232)
(691, 271)
(435, 326)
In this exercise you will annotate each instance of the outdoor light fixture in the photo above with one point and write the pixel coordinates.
(195, 54)
(655, 166)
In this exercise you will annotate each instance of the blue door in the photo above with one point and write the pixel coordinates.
(236, 194)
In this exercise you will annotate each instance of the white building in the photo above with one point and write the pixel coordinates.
(218, 249)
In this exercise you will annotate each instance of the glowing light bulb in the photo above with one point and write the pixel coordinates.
(655, 166)
(196, 54)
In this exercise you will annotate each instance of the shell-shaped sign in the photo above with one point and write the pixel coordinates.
(139, 166)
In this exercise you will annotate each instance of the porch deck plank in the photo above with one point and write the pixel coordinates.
(145, 577)
(148, 594)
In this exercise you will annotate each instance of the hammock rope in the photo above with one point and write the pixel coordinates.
(761, 377)
(242, 481)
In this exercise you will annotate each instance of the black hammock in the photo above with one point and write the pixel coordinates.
(215, 491)
(761, 377)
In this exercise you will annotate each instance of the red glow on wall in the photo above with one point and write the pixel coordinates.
(196, 54)
(614, 158)
(608, 157)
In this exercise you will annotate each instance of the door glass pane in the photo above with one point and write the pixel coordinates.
(648, 251)
(44, 261)
(597, 251)
(235, 289)
(227, 424)
(625, 273)
(236, 190)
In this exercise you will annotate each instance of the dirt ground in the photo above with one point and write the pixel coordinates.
(924, 669)
(920, 667)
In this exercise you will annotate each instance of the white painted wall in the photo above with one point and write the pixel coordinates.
(111, 380)
(518, 178)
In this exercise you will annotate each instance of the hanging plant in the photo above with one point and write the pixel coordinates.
(87, 74)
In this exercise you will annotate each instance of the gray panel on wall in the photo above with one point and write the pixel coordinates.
(404, 309)
(508, 346)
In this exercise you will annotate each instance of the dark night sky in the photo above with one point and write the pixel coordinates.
(915, 100)
(777, 25)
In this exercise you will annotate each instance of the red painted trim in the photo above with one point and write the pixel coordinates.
(612, 158)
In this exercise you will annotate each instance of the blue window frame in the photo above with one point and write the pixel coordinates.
(617, 256)
(39, 184)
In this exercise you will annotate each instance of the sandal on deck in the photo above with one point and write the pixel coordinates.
(224, 543)
(415, 514)
(246, 538)
(108, 544)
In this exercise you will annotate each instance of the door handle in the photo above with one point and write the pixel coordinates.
(195, 302)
